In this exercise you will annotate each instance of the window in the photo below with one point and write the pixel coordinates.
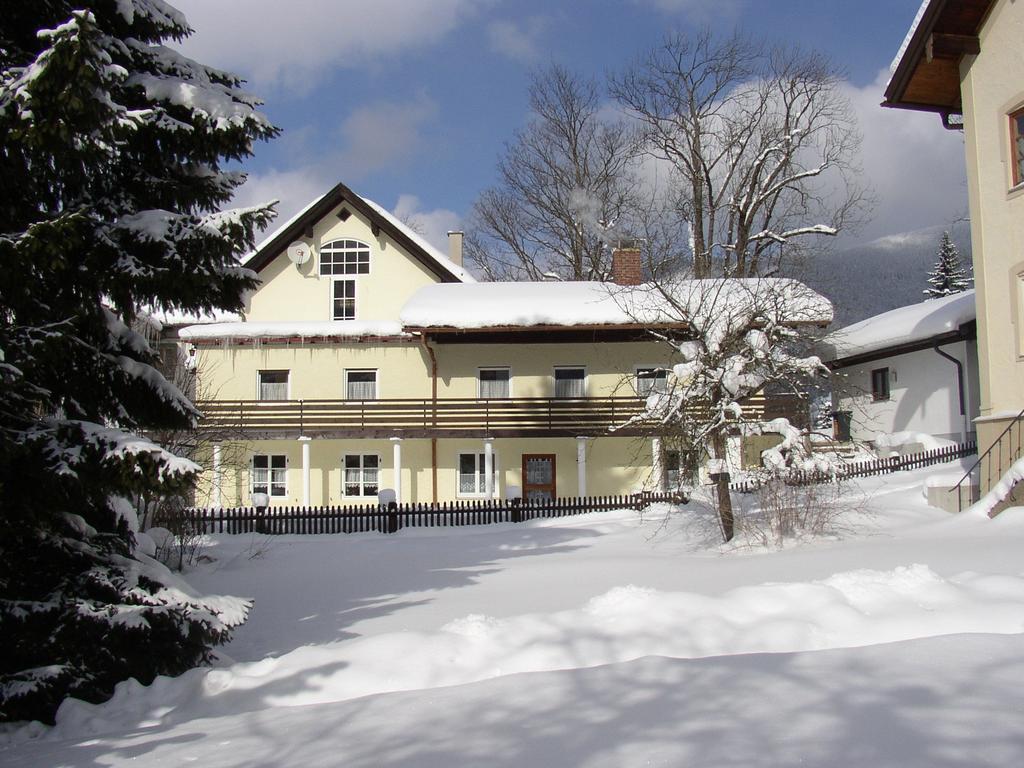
(270, 474)
(570, 382)
(344, 300)
(273, 385)
(361, 385)
(494, 383)
(473, 476)
(650, 380)
(362, 474)
(344, 257)
(680, 467)
(1017, 146)
(880, 384)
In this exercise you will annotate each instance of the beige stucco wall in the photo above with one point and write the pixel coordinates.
(992, 87)
(614, 466)
(229, 372)
(291, 292)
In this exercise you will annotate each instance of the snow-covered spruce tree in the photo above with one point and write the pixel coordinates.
(948, 276)
(110, 182)
(740, 335)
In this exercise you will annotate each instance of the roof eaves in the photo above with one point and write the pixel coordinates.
(336, 196)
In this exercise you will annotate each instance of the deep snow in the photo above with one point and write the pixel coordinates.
(608, 639)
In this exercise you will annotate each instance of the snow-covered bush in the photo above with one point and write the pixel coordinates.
(112, 179)
(787, 510)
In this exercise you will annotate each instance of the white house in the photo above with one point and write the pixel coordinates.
(912, 369)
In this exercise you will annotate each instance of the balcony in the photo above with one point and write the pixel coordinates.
(449, 417)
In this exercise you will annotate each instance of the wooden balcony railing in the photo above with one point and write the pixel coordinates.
(449, 417)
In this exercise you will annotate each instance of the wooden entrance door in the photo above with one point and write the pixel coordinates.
(538, 476)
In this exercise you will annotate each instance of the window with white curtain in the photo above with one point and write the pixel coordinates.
(570, 382)
(651, 380)
(473, 474)
(273, 385)
(270, 474)
(362, 474)
(494, 383)
(361, 385)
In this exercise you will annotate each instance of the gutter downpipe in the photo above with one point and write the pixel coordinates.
(425, 342)
(959, 386)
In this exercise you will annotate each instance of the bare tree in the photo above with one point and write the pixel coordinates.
(740, 335)
(761, 146)
(567, 184)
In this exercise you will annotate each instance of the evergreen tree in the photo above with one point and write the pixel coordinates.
(111, 177)
(948, 275)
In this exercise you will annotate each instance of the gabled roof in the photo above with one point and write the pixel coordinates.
(926, 72)
(301, 225)
(902, 330)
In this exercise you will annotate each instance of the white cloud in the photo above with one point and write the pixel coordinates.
(382, 135)
(289, 44)
(915, 166)
(697, 10)
(295, 189)
(518, 41)
(433, 225)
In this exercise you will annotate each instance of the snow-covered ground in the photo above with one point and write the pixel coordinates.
(612, 639)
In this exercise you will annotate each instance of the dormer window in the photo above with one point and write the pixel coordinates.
(345, 257)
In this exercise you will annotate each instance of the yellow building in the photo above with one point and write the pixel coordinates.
(964, 59)
(367, 360)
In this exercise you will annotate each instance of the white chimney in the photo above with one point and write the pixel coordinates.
(455, 247)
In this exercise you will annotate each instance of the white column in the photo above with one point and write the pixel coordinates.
(581, 466)
(305, 469)
(489, 468)
(658, 465)
(396, 447)
(217, 500)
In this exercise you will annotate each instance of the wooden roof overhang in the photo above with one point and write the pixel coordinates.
(545, 334)
(927, 76)
(342, 195)
(246, 341)
(966, 332)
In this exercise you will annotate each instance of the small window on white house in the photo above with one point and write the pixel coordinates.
(494, 383)
(344, 257)
(651, 380)
(273, 385)
(270, 474)
(1017, 146)
(362, 474)
(473, 475)
(361, 385)
(570, 382)
(880, 384)
(344, 303)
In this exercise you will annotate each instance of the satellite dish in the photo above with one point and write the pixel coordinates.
(299, 252)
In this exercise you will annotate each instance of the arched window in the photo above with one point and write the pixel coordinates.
(345, 257)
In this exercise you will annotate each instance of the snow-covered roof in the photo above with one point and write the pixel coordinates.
(417, 238)
(331, 329)
(904, 325)
(274, 244)
(910, 36)
(568, 304)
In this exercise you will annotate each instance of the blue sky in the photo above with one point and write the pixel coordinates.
(410, 102)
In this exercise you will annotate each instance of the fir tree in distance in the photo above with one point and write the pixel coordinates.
(948, 275)
(111, 180)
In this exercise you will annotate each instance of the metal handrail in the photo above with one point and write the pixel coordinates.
(997, 442)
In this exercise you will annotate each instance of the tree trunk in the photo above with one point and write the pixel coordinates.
(718, 450)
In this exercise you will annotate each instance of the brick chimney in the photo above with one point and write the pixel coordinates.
(626, 265)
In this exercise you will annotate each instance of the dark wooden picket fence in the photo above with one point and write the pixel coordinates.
(392, 518)
(868, 468)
